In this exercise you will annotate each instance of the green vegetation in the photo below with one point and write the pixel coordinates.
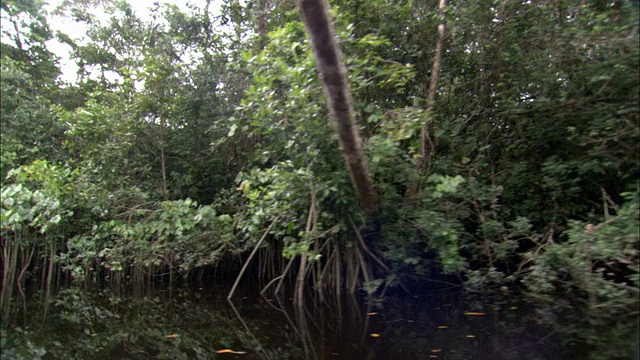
(192, 138)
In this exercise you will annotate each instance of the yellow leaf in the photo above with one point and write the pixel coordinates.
(474, 313)
(229, 351)
(375, 335)
(471, 336)
(442, 327)
(171, 336)
(372, 313)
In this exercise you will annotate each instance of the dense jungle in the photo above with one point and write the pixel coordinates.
(435, 162)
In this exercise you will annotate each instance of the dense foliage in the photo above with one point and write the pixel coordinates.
(191, 138)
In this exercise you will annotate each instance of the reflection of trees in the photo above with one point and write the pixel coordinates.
(298, 320)
(178, 324)
(324, 331)
(250, 339)
(184, 324)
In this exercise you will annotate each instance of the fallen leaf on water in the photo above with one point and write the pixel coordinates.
(442, 327)
(374, 335)
(436, 350)
(229, 351)
(474, 313)
(433, 356)
(372, 313)
(471, 336)
(171, 336)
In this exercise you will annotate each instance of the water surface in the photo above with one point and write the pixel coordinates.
(198, 323)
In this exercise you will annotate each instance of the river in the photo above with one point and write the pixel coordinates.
(199, 323)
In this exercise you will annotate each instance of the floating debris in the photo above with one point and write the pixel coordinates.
(475, 313)
(229, 351)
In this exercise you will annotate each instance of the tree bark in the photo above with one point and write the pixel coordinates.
(333, 76)
(428, 143)
(162, 159)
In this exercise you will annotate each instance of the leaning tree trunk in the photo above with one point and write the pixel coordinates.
(333, 75)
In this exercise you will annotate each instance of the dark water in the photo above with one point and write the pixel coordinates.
(199, 323)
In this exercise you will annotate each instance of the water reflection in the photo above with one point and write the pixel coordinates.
(201, 324)
(435, 325)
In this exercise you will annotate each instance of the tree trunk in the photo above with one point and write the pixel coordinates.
(428, 143)
(162, 159)
(333, 76)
